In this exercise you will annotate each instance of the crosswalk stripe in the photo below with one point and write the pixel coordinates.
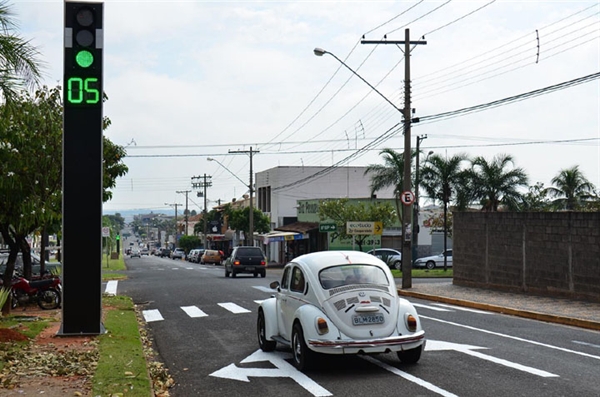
(193, 311)
(111, 287)
(232, 307)
(152, 315)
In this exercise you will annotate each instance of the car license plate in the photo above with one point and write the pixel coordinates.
(368, 319)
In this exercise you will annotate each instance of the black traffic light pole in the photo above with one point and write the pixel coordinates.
(82, 170)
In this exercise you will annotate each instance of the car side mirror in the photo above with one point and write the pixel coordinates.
(274, 285)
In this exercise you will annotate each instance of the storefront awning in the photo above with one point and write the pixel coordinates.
(282, 236)
(298, 227)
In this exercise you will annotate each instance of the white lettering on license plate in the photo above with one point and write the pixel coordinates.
(367, 319)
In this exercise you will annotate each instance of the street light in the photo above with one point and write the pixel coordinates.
(227, 169)
(406, 209)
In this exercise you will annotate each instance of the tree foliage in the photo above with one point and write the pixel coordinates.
(571, 190)
(342, 211)
(239, 219)
(494, 182)
(19, 66)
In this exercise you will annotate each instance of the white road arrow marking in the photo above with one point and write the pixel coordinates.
(436, 345)
(235, 309)
(283, 369)
(437, 309)
(586, 344)
(193, 311)
(462, 308)
(152, 315)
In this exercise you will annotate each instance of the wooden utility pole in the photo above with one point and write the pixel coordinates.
(206, 183)
(186, 208)
(250, 238)
(407, 111)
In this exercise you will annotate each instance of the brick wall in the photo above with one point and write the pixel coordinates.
(549, 253)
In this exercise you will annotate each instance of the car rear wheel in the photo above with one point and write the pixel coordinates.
(430, 265)
(255, 274)
(226, 272)
(410, 356)
(264, 344)
(263, 274)
(303, 356)
(233, 273)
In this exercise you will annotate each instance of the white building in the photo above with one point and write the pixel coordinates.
(278, 190)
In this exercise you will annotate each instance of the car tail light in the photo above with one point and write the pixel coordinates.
(411, 323)
(236, 262)
(263, 263)
(322, 327)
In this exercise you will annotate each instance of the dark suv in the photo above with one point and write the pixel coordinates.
(246, 260)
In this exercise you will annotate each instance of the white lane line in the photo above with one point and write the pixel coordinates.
(152, 315)
(189, 268)
(586, 344)
(437, 309)
(512, 337)
(111, 287)
(193, 311)
(462, 308)
(409, 377)
(436, 345)
(232, 307)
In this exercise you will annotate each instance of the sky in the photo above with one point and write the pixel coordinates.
(192, 80)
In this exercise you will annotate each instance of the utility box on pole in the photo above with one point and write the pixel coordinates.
(82, 169)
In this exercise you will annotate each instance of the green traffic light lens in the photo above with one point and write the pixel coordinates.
(84, 58)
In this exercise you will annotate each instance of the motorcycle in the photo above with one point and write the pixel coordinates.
(46, 292)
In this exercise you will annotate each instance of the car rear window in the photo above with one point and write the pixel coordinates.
(337, 276)
(249, 252)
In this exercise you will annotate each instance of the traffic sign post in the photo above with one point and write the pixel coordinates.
(82, 169)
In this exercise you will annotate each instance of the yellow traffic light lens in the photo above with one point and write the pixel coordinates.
(84, 59)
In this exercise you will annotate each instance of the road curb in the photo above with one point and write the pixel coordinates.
(575, 322)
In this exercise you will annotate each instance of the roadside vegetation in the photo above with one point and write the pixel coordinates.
(119, 362)
(426, 273)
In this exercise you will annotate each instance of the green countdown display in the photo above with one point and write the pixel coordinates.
(83, 90)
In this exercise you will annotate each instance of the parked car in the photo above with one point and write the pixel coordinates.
(135, 253)
(245, 259)
(144, 251)
(392, 257)
(192, 255)
(431, 262)
(211, 256)
(165, 253)
(178, 253)
(339, 302)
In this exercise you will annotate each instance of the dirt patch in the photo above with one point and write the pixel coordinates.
(49, 365)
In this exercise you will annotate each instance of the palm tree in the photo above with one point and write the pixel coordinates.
(571, 188)
(18, 64)
(494, 185)
(441, 178)
(390, 173)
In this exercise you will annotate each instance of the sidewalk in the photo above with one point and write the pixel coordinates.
(576, 313)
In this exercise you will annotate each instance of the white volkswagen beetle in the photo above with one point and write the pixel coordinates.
(339, 302)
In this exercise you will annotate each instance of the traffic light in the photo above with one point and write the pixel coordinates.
(118, 237)
(83, 54)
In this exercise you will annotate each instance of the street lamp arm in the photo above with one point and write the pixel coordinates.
(320, 52)
(228, 170)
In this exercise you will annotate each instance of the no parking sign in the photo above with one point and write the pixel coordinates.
(407, 197)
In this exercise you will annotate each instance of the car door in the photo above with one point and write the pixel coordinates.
(295, 298)
(282, 303)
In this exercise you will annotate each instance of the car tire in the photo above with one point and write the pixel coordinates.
(263, 274)
(255, 275)
(233, 273)
(303, 357)
(410, 356)
(226, 272)
(264, 344)
(430, 265)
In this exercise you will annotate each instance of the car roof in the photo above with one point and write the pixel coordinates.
(317, 261)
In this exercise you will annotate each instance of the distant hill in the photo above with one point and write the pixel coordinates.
(129, 214)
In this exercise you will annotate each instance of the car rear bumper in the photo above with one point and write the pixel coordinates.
(248, 269)
(392, 343)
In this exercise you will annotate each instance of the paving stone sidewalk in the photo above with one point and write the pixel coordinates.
(558, 310)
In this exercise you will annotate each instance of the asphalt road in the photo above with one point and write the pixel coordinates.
(203, 326)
